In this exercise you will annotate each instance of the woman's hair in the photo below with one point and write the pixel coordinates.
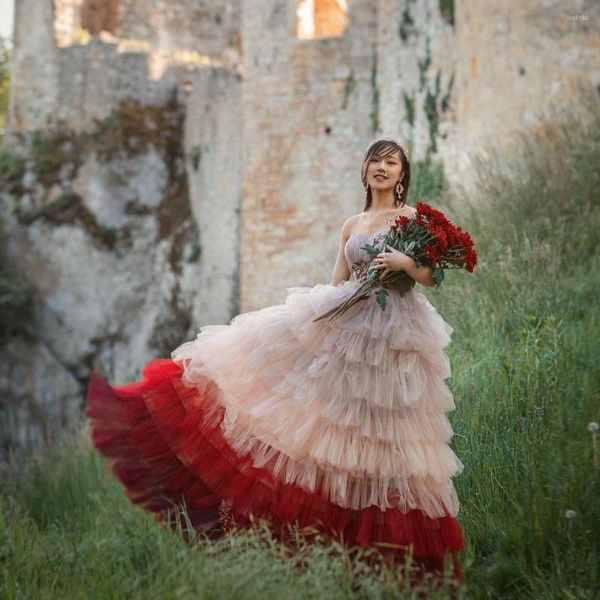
(382, 147)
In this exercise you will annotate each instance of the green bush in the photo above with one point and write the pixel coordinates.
(5, 54)
(16, 300)
(524, 357)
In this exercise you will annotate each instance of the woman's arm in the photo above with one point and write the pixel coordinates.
(393, 260)
(341, 272)
(422, 274)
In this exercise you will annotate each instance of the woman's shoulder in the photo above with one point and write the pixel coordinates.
(350, 224)
(409, 211)
(361, 220)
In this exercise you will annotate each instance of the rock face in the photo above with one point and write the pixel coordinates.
(39, 393)
(103, 224)
(175, 156)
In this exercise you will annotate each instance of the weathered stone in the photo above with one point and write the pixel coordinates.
(36, 393)
(207, 153)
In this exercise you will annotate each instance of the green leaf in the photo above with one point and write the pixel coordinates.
(382, 298)
(370, 249)
(438, 275)
(404, 283)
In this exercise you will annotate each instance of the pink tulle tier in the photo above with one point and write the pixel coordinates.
(166, 444)
(353, 409)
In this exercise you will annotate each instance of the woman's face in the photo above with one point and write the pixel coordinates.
(384, 173)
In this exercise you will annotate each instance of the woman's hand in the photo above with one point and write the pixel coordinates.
(392, 260)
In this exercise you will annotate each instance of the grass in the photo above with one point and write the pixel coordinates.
(526, 384)
(67, 530)
(524, 357)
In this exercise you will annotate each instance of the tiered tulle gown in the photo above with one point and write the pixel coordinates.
(340, 425)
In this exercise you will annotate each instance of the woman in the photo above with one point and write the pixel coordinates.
(337, 425)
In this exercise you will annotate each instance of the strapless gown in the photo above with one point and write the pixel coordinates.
(338, 425)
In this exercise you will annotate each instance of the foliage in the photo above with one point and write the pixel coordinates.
(16, 300)
(446, 8)
(5, 54)
(427, 180)
(524, 354)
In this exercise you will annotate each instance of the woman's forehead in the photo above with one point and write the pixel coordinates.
(384, 154)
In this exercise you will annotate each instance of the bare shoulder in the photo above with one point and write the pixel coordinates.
(349, 226)
(411, 209)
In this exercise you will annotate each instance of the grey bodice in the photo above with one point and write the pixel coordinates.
(356, 257)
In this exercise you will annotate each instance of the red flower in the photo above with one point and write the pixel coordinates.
(453, 235)
(430, 238)
(470, 259)
(467, 240)
(400, 223)
(441, 236)
(432, 213)
(431, 253)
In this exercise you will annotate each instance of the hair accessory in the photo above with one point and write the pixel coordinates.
(389, 139)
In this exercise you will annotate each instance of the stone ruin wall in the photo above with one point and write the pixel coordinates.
(119, 238)
(310, 109)
(273, 127)
(210, 27)
(517, 59)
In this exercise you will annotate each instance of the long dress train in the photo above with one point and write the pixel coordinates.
(338, 425)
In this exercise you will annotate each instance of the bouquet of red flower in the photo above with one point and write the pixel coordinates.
(429, 238)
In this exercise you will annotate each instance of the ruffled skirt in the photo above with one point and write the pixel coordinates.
(339, 425)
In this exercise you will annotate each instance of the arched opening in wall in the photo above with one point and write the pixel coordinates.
(100, 15)
(76, 20)
(321, 18)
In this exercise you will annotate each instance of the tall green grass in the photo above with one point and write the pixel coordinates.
(526, 383)
(67, 530)
(525, 363)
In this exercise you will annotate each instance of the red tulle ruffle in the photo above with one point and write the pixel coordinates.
(166, 446)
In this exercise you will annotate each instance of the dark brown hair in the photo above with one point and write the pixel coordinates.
(383, 147)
